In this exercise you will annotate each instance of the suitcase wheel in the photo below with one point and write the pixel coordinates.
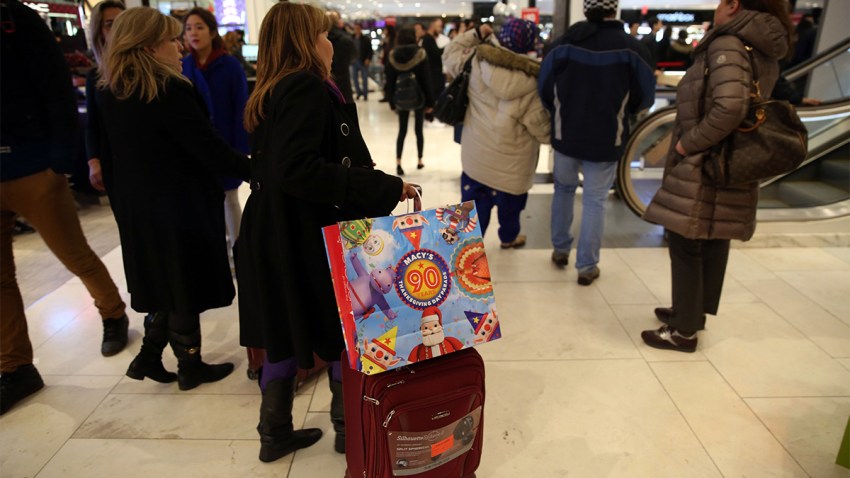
(252, 374)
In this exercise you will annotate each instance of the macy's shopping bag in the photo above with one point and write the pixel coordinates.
(411, 287)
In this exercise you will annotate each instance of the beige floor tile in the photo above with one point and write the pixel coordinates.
(319, 460)
(549, 320)
(845, 362)
(809, 428)
(321, 396)
(745, 268)
(797, 259)
(653, 268)
(147, 458)
(761, 355)
(53, 312)
(220, 417)
(636, 319)
(37, 427)
(734, 437)
(821, 327)
(827, 288)
(518, 265)
(735, 293)
(584, 418)
(619, 284)
(842, 253)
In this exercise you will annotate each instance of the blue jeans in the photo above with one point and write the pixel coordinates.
(598, 178)
(508, 207)
(360, 73)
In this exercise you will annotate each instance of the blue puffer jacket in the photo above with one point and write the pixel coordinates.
(224, 88)
(591, 82)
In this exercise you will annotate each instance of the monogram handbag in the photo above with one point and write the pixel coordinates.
(769, 142)
(450, 107)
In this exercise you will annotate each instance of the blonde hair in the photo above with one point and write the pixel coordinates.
(128, 68)
(98, 42)
(287, 45)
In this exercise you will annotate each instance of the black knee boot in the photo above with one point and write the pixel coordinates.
(278, 437)
(148, 363)
(337, 413)
(191, 370)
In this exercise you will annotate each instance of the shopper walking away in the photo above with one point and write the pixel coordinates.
(595, 78)
(504, 124)
(362, 60)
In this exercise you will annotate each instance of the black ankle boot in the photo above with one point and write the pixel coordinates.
(337, 413)
(191, 370)
(148, 363)
(278, 437)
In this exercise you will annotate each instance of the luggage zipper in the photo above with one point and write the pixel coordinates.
(371, 400)
(420, 403)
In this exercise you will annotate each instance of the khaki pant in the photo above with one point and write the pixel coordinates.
(44, 199)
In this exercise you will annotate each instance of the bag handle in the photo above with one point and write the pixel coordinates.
(755, 88)
(417, 201)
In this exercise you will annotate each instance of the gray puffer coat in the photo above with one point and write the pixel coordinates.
(688, 203)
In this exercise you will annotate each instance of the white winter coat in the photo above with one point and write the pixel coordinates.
(505, 122)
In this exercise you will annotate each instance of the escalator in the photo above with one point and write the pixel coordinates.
(819, 189)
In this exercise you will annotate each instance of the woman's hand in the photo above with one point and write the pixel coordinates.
(411, 191)
(680, 149)
(95, 175)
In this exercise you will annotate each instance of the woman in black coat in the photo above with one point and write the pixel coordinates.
(310, 168)
(407, 56)
(162, 160)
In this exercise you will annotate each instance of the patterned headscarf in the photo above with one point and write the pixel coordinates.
(518, 35)
(603, 4)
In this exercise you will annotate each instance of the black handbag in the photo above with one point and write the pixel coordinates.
(769, 142)
(451, 105)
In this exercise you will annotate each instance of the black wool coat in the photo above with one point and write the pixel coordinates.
(310, 168)
(161, 165)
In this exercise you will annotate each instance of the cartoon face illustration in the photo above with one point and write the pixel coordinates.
(373, 245)
(379, 354)
(450, 235)
(355, 232)
(487, 329)
(383, 279)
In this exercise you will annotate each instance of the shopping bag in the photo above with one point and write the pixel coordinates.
(412, 287)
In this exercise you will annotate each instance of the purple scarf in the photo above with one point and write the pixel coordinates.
(331, 86)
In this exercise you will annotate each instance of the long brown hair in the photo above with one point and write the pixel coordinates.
(287, 45)
(128, 69)
(777, 8)
(98, 42)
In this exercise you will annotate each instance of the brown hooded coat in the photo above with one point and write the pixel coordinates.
(688, 203)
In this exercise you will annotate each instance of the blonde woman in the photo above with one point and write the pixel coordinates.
(102, 17)
(310, 168)
(163, 162)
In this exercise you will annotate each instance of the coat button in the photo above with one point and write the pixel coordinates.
(343, 128)
(346, 161)
(256, 186)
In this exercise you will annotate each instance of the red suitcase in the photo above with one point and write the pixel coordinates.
(425, 420)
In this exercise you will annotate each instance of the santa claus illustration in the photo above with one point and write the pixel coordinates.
(434, 340)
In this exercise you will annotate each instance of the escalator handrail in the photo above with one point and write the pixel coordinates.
(807, 66)
(667, 115)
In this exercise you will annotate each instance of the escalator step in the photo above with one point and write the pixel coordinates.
(810, 193)
(836, 172)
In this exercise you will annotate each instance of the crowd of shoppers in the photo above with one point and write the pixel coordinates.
(165, 128)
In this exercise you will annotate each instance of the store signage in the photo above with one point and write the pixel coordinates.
(677, 17)
(39, 7)
(531, 14)
(230, 12)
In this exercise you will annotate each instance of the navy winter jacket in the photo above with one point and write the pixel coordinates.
(225, 91)
(592, 81)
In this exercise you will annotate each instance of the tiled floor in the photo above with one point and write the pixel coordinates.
(572, 391)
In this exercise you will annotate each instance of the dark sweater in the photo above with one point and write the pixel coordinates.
(38, 111)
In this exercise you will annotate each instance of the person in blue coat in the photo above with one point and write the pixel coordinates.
(221, 82)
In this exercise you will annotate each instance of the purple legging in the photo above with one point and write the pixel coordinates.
(288, 368)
